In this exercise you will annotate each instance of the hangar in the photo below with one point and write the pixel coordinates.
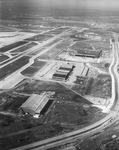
(35, 103)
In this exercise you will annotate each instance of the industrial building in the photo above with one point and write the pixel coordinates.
(63, 72)
(35, 103)
(91, 54)
(60, 76)
(85, 71)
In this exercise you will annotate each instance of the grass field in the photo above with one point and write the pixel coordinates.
(14, 66)
(39, 64)
(40, 37)
(81, 46)
(24, 48)
(52, 53)
(57, 31)
(78, 37)
(12, 46)
(3, 58)
(30, 71)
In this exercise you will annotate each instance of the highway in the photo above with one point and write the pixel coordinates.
(112, 112)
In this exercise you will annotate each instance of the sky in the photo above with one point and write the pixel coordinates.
(7, 6)
(93, 4)
(68, 4)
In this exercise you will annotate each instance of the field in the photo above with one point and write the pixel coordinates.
(71, 114)
(14, 66)
(81, 46)
(11, 46)
(36, 134)
(57, 31)
(53, 42)
(61, 93)
(77, 37)
(106, 140)
(34, 68)
(100, 45)
(102, 66)
(3, 58)
(30, 71)
(24, 48)
(39, 64)
(12, 102)
(104, 34)
(40, 37)
(8, 60)
(6, 29)
(53, 52)
(82, 85)
(34, 29)
(101, 87)
(50, 54)
(35, 52)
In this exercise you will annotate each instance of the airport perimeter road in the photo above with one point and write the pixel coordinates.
(99, 126)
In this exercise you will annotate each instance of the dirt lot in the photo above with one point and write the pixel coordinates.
(101, 87)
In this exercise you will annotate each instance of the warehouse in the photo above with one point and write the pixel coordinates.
(85, 71)
(35, 104)
(91, 54)
(63, 72)
(60, 77)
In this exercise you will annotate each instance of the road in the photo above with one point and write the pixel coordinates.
(112, 109)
